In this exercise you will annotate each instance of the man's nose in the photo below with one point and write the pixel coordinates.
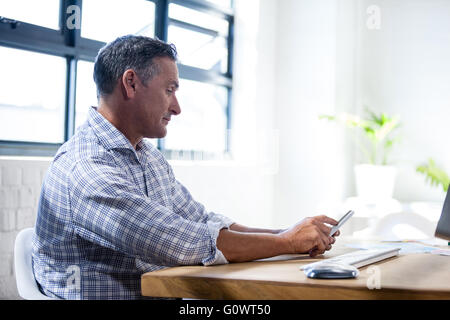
(175, 106)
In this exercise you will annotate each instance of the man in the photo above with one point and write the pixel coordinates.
(110, 207)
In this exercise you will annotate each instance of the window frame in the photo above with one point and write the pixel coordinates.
(69, 44)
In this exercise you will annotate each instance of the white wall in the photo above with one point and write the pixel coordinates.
(328, 61)
(314, 158)
(404, 69)
(20, 182)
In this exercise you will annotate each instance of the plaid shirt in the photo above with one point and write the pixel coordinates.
(109, 213)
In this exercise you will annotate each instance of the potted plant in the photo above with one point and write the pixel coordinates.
(374, 177)
(434, 174)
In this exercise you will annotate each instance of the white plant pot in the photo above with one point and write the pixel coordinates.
(374, 182)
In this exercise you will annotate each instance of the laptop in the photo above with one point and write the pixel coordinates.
(443, 226)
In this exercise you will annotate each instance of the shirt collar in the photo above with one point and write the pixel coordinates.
(108, 135)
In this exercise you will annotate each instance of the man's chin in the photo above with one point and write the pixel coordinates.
(162, 134)
(157, 135)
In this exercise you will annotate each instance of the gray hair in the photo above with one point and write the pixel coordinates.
(129, 52)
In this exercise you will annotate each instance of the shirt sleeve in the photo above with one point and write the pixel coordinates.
(185, 205)
(109, 210)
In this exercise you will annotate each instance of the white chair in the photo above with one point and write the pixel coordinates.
(405, 225)
(26, 283)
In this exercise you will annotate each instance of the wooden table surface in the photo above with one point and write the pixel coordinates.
(411, 276)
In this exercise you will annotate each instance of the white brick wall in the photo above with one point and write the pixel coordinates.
(20, 184)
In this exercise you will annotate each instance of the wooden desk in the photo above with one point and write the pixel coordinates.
(412, 276)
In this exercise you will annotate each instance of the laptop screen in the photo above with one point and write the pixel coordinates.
(443, 227)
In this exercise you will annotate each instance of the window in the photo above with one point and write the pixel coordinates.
(41, 13)
(203, 42)
(33, 97)
(86, 91)
(47, 49)
(200, 38)
(204, 120)
(117, 18)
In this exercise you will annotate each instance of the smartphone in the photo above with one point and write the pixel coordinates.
(341, 221)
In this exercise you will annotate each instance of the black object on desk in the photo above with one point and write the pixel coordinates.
(443, 226)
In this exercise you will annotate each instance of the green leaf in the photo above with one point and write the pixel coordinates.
(377, 129)
(434, 175)
(327, 117)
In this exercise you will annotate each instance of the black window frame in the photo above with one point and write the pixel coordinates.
(69, 44)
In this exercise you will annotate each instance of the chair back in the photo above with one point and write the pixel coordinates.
(26, 283)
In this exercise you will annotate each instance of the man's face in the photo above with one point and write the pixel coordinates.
(156, 101)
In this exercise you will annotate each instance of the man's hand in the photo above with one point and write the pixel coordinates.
(310, 235)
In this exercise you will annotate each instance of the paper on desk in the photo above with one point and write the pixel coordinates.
(405, 247)
(431, 242)
(442, 252)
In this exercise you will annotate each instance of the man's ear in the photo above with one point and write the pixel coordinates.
(129, 79)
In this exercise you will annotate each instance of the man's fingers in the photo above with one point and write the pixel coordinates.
(327, 240)
(316, 251)
(322, 242)
(322, 227)
(313, 253)
(325, 233)
(325, 219)
(336, 234)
